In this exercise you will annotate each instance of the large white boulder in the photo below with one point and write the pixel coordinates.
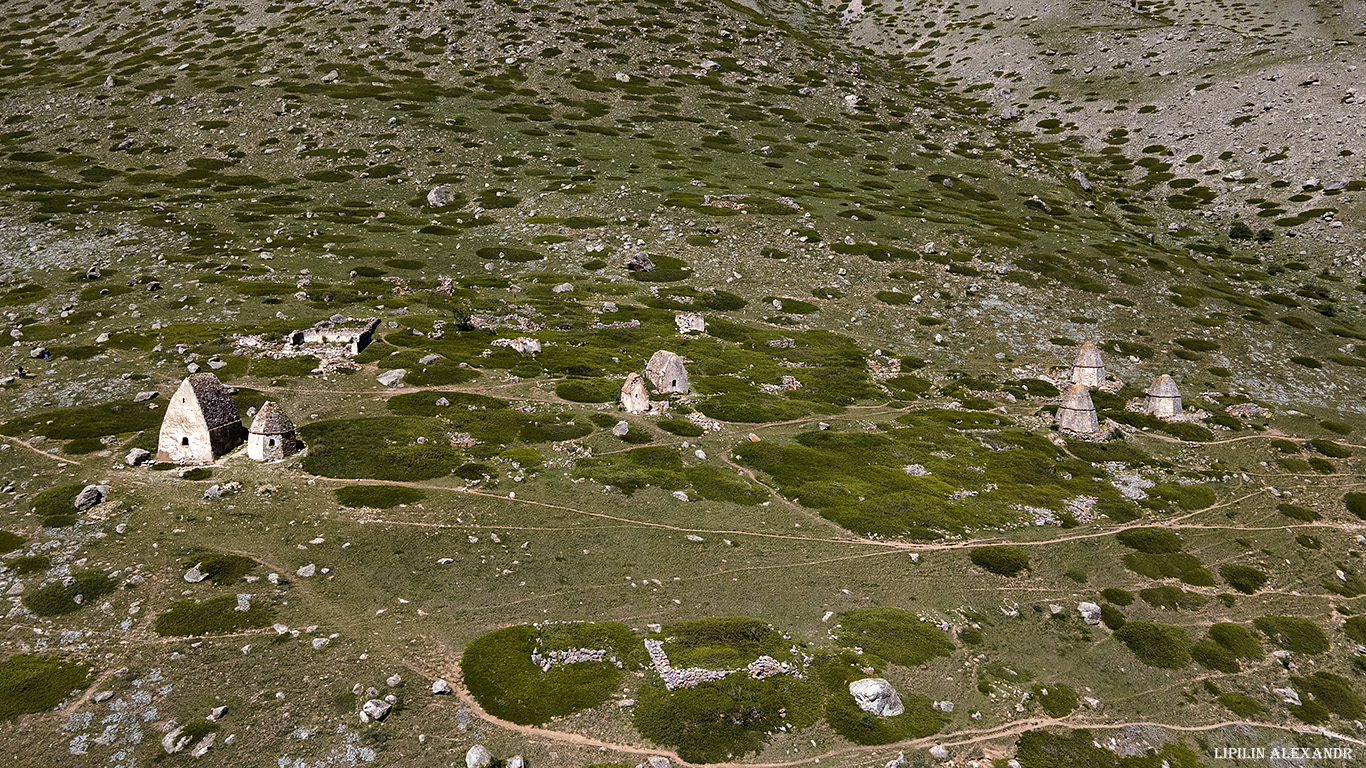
(876, 696)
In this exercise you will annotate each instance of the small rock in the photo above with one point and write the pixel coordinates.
(515, 761)
(1090, 613)
(376, 709)
(319, 643)
(218, 712)
(38, 352)
(478, 757)
(137, 457)
(621, 428)
(441, 688)
(659, 762)
(441, 196)
(429, 359)
(563, 288)
(392, 378)
(90, 496)
(194, 575)
(307, 570)
(680, 495)
(938, 752)
(393, 680)
(243, 604)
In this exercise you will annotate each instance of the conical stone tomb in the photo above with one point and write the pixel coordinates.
(1164, 399)
(1076, 412)
(1088, 368)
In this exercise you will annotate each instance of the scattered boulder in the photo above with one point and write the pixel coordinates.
(441, 195)
(562, 288)
(659, 762)
(939, 752)
(639, 262)
(478, 757)
(243, 603)
(376, 709)
(393, 680)
(1090, 613)
(441, 688)
(621, 428)
(392, 378)
(876, 696)
(137, 457)
(515, 761)
(194, 575)
(90, 496)
(307, 570)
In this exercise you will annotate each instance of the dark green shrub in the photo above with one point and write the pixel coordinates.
(1356, 504)
(1211, 655)
(1332, 449)
(1112, 617)
(897, 636)
(1237, 639)
(1322, 466)
(1354, 628)
(87, 421)
(1333, 692)
(589, 390)
(1297, 512)
(1286, 446)
(36, 683)
(56, 505)
(378, 496)
(10, 542)
(221, 569)
(1336, 427)
(1187, 497)
(1184, 430)
(499, 673)
(725, 719)
(23, 566)
(198, 473)
(1042, 749)
(215, 616)
(1006, 561)
(1293, 634)
(918, 721)
(1118, 596)
(1243, 578)
(716, 484)
(1150, 540)
(56, 599)
(681, 427)
(1156, 645)
(1173, 598)
(1057, 700)
(1241, 704)
(381, 448)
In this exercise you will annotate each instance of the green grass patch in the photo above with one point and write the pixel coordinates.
(1332, 692)
(680, 427)
(500, 674)
(1243, 578)
(1294, 634)
(378, 496)
(1156, 645)
(894, 635)
(58, 599)
(32, 683)
(92, 421)
(1356, 504)
(55, 506)
(215, 616)
(379, 448)
(10, 542)
(28, 564)
(1006, 561)
(221, 569)
(1057, 700)
(1151, 541)
(589, 390)
(1331, 449)
(1240, 704)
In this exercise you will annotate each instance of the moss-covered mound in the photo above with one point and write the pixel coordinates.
(215, 616)
(35, 683)
(499, 670)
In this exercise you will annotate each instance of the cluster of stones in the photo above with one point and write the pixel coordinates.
(550, 659)
(759, 669)
(1076, 411)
